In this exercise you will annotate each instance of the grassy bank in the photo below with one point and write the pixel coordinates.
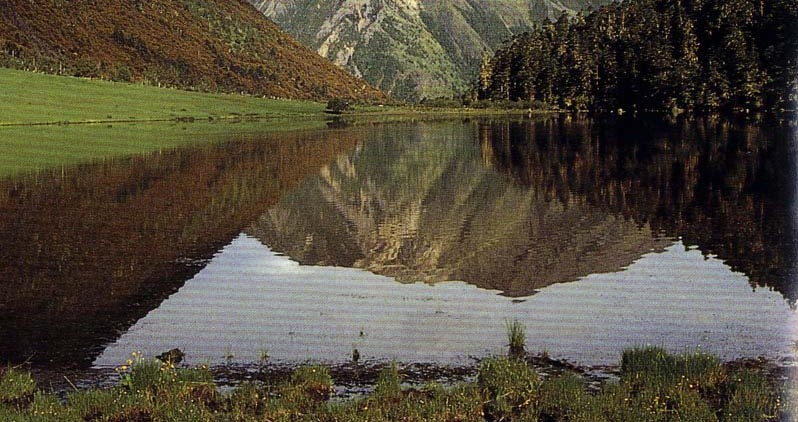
(30, 98)
(652, 386)
(42, 119)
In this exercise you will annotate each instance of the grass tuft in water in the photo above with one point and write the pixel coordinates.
(516, 337)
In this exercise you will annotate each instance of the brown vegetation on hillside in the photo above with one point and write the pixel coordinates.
(208, 45)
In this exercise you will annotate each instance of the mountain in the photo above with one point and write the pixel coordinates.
(412, 49)
(208, 45)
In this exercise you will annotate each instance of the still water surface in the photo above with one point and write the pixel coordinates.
(414, 242)
(321, 313)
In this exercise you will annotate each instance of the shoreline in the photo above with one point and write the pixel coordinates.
(352, 379)
(649, 384)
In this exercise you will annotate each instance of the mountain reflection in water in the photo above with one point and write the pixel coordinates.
(680, 219)
(537, 202)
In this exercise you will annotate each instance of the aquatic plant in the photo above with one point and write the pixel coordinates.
(516, 336)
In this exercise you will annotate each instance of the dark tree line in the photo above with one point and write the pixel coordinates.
(655, 55)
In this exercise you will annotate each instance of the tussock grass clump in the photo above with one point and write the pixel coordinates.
(694, 386)
(305, 393)
(16, 388)
(247, 399)
(652, 369)
(96, 404)
(391, 402)
(389, 383)
(564, 398)
(509, 386)
(313, 380)
(654, 364)
(429, 403)
(750, 398)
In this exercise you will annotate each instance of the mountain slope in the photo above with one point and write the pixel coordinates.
(211, 45)
(412, 48)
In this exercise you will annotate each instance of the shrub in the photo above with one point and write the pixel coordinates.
(123, 74)
(338, 105)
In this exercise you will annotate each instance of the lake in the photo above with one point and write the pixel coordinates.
(412, 241)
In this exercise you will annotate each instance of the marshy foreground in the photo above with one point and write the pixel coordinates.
(652, 385)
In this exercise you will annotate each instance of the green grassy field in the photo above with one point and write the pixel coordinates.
(43, 119)
(28, 98)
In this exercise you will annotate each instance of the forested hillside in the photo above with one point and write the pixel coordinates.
(655, 55)
(205, 45)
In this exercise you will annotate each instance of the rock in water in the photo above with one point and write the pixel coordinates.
(173, 356)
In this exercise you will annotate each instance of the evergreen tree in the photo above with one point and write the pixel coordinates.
(655, 55)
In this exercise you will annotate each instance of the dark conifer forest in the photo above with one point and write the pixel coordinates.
(655, 55)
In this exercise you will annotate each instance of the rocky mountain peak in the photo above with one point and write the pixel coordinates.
(412, 49)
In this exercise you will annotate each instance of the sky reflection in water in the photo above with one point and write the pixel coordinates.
(250, 299)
